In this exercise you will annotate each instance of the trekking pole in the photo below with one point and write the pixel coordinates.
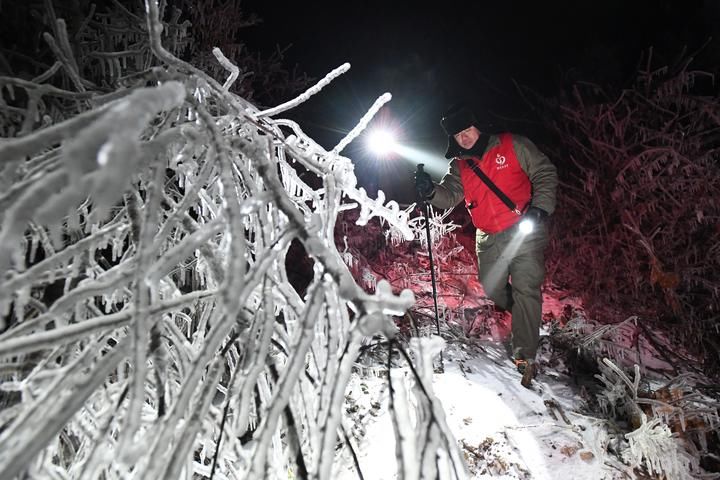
(426, 214)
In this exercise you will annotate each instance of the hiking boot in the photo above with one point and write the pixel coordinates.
(528, 369)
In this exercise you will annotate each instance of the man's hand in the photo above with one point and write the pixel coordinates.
(537, 215)
(424, 187)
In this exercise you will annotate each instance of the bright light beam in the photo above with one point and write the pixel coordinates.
(381, 142)
(434, 161)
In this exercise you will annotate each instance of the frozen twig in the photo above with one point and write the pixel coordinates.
(270, 112)
(362, 124)
(231, 67)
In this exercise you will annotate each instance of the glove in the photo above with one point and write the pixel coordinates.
(424, 187)
(537, 215)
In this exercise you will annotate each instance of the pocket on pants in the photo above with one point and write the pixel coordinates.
(538, 238)
(483, 242)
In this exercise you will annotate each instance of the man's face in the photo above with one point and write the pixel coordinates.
(467, 138)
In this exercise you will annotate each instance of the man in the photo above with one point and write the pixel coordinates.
(511, 263)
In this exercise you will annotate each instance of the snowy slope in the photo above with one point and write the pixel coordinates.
(504, 430)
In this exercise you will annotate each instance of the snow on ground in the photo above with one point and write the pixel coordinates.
(505, 431)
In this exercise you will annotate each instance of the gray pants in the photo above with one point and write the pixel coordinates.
(511, 268)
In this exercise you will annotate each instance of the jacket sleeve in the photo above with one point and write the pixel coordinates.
(449, 192)
(540, 171)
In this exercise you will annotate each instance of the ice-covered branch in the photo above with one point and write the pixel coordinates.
(270, 112)
(363, 123)
(149, 326)
(231, 67)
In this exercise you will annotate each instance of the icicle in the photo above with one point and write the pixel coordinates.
(21, 299)
(106, 303)
(703, 442)
(61, 321)
(181, 277)
(75, 267)
(369, 280)
(116, 249)
(52, 274)
(200, 268)
(284, 177)
(34, 243)
(681, 414)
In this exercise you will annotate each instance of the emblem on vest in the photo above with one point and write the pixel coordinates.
(500, 160)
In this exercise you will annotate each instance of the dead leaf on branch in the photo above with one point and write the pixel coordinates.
(664, 279)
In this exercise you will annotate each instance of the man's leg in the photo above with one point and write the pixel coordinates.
(493, 271)
(527, 273)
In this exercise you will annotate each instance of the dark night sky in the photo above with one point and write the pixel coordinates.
(431, 54)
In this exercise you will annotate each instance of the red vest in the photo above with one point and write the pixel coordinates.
(501, 165)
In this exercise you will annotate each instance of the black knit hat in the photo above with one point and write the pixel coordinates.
(457, 119)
